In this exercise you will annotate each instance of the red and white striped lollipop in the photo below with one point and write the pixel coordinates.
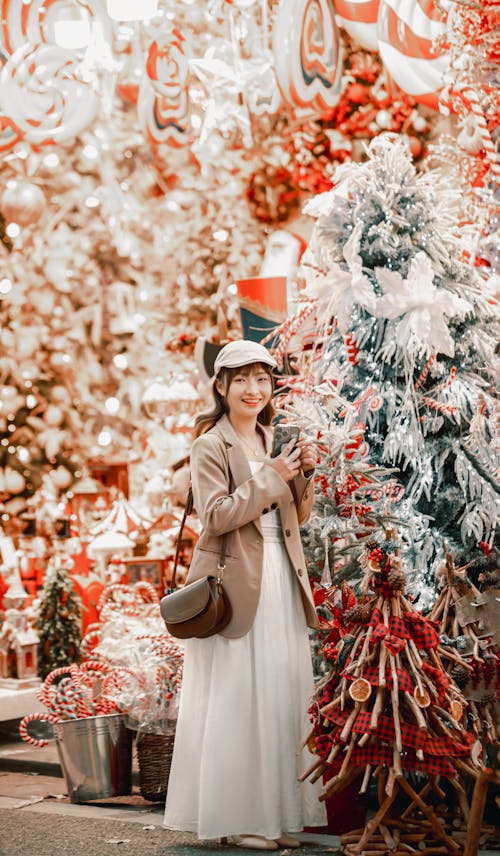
(40, 92)
(307, 53)
(359, 19)
(406, 33)
(163, 103)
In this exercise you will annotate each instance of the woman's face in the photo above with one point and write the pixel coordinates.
(249, 391)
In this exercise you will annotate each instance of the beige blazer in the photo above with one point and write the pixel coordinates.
(229, 501)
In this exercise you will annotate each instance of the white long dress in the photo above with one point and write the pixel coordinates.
(243, 717)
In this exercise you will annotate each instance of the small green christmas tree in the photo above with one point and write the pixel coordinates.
(59, 624)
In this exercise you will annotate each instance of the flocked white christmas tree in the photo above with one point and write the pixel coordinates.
(405, 331)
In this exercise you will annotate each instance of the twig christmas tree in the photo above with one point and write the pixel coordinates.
(387, 708)
(465, 624)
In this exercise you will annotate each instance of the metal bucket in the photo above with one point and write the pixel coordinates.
(96, 756)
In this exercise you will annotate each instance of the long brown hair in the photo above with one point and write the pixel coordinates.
(207, 420)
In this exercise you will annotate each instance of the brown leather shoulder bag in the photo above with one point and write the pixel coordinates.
(201, 608)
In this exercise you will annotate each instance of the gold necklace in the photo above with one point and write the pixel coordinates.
(254, 452)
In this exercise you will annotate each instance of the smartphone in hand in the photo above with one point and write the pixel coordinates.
(283, 434)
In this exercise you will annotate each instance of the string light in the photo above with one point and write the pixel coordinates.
(112, 404)
(120, 361)
(105, 437)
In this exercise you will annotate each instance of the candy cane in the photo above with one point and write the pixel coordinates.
(449, 380)
(425, 371)
(482, 126)
(148, 590)
(446, 409)
(178, 677)
(35, 717)
(43, 693)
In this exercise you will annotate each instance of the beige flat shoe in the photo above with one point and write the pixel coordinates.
(255, 842)
(288, 841)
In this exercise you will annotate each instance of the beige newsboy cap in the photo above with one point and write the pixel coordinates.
(242, 352)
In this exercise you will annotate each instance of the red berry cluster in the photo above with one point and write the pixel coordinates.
(330, 652)
(376, 555)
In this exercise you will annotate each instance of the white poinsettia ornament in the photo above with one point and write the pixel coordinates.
(423, 309)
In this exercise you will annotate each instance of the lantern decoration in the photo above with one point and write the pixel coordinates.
(307, 53)
(407, 34)
(359, 19)
(41, 93)
(163, 93)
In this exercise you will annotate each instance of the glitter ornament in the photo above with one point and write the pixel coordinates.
(22, 202)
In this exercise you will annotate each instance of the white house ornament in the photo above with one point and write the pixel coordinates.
(308, 54)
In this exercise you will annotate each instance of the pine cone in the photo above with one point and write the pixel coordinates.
(396, 579)
(358, 614)
(459, 675)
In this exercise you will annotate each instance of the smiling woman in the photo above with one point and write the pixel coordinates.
(246, 691)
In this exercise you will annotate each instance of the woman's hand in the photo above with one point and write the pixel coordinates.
(308, 456)
(287, 463)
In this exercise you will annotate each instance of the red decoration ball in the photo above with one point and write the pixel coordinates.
(357, 93)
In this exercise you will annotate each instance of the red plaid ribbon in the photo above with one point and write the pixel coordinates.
(376, 618)
(397, 627)
(394, 644)
(447, 746)
(380, 754)
(440, 680)
(411, 735)
(323, 743)
(421, 631)
(371, 675)
(380, 632)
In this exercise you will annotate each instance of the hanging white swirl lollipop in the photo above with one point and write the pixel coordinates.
(307, 53)
(163, 95)
(37, 21)
(42, 95)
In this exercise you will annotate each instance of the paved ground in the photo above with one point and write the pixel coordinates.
(52, 834)
(37, 818)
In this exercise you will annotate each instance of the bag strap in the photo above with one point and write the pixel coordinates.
(188, 508)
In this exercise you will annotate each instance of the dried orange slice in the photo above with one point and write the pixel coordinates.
(360, 690)
(456, 710)
(422, 697)
(476, 753)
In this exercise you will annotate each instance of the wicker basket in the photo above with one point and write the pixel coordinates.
(154, 755)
